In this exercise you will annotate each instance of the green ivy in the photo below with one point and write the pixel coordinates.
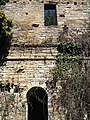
(5, 26)
(69, 47)
(5, 35)
(68, 58)
(71, 76)
(11, 97)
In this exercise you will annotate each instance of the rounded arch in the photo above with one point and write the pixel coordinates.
(37, 104)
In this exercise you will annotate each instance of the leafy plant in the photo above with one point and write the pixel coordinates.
(5, 34)
(3, 2)
(72, 79)
(70, 76)
(11, 97)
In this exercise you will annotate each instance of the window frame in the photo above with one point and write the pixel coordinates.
(51, 8)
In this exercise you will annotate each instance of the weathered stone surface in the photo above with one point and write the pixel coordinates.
(28, 65)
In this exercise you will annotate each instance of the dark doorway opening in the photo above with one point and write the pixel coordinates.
(37, 104)
(50, 14)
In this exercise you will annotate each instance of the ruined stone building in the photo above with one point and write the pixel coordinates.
(33, 47)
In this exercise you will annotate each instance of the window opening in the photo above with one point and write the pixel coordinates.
(50, 14)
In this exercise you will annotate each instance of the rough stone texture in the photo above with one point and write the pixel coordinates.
(29, 66)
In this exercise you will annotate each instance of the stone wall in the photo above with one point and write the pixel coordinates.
(33, 48)
(28, 14)
(33, 40)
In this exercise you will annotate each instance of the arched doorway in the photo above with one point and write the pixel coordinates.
(37, 104)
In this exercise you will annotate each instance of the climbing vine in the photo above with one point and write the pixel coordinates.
(69, 82)
(72, 78)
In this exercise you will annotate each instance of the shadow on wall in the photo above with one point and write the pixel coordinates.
(4, 50)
